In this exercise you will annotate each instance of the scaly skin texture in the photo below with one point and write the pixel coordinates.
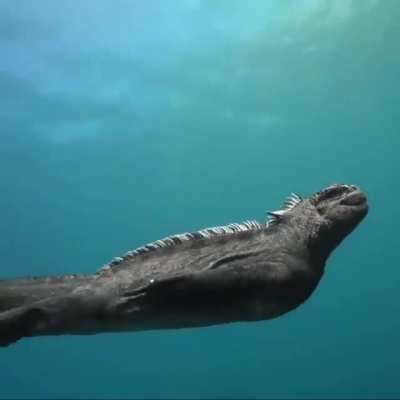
(242, 276)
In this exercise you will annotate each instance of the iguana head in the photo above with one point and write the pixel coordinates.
(340, 208)
(326, 217)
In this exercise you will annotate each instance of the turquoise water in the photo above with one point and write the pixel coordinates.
(123, 122)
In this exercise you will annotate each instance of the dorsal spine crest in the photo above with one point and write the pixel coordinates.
(174, 240)
(231, 229)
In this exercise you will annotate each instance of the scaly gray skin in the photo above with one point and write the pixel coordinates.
(251, 274)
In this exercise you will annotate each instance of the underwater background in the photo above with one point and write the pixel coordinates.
(126, 121)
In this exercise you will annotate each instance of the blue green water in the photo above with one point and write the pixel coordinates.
(125, 121)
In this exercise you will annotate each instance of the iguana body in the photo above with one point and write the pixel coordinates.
(239, 272)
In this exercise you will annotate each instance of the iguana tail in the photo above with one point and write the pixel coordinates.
(22, 301)
(24, 291)
(18, 323)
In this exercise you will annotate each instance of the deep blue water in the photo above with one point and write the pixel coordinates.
(123, 122)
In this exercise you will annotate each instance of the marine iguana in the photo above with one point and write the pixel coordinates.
(246, 271)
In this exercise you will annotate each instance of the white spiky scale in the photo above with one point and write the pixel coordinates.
(290, 202)
(278, 213)
(236, 226)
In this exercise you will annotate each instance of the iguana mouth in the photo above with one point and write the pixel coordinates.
(355, 198)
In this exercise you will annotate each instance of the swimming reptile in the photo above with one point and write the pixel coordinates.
(245, 271)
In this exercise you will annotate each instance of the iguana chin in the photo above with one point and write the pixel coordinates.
(246, 271)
